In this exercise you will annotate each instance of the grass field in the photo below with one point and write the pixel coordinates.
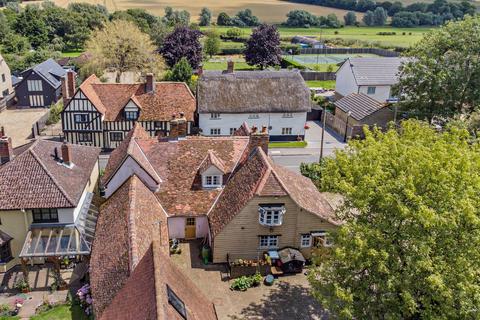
(273, 11)
(288, 144)
(326, 84)
(365, 34)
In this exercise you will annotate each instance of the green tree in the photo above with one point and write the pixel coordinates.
(409, 245)
(442, 76)
(350, 18)
(121, 46)
(234, 32)
(380, 16)
(181, 72)
(212, 43)
(174, 18)
(205, 17)
(30, 24)
(224, 19)
(369, 18)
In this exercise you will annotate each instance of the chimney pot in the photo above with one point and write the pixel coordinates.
(67, 153)
(264, 129)
(150, 83)
(254, 129)
(230, 66)
(6, 150)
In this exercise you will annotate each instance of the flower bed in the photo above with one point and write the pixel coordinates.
(241, 267)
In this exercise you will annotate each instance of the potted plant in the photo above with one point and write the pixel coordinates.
(22, 285)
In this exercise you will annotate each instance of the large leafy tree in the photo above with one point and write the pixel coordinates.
(121, 46)
(263, 47)
(212, 43)
(409, 247)
(181, 72)
(205, 17)
(182, 42)
(442, 76)
(30, 24)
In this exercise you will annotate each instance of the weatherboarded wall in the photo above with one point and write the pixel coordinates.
(240, 238)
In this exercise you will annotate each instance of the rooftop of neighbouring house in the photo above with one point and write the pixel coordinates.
(50, 71)
(252, 92)
(130, 266)
(359, 105)
(375, 70)
(36, 176)
(160, 104)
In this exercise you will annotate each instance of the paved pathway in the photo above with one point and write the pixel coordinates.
(293, 157)
(289, 298)
(18, 123)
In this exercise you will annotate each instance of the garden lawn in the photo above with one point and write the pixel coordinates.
(71, 54)
(9, 317)
(62, 312)
(223, 66)
(366, 34)
(288, 144)
(326, 84)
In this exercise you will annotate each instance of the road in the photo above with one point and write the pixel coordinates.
(293, 157)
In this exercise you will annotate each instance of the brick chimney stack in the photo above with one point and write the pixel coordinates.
(259, 139)
(173, 127)
(67, 154)
(68, 87)
(6, 149)
(230, 66)
(178, 126)
(150, 83)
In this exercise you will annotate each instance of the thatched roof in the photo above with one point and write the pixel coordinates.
(252, 92)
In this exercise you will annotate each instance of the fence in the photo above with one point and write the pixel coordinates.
(376, 51)
(340, 126)
(316, 75)
(38, 126)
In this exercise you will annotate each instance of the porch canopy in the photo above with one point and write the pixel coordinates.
(55, 242)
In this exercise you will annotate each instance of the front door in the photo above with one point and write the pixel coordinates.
(190, 228)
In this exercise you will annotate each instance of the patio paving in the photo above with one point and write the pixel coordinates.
(40, 279)
(18, 123)
(288, 298)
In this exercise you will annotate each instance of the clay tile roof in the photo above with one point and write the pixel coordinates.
(129, 147)
(260, 176)
(244, 130)
(359, 105)
(125, 227)
(35, 179)
(130, 266)
(178, 162)
(167, 99)
(212, 160)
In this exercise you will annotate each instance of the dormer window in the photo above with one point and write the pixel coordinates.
(271, 215)
(214, 181)
(131, 115)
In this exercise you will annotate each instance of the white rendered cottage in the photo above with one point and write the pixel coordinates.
(371, 76)
(278, 100)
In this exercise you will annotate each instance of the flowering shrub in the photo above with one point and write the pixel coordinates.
(85, 297)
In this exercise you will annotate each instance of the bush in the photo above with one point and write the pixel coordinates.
(383, 33)
(234, 33)
(55, 111)
(245, 282)
(292, 64)
(232, 51)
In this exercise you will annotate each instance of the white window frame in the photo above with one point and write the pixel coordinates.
(215, 131)
(371, 90)
(268, 242)
(271, 215)
(212, 181)
(34, 85)
(215, 116)
(254, 116)
(327, 240)
(85, 134)
(305, 241)
(232, 131)
(81, 114)
(287, 115)
(36, 100)
(287, 131)
(176, 302)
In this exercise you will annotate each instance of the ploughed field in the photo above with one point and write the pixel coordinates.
(272, 11)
